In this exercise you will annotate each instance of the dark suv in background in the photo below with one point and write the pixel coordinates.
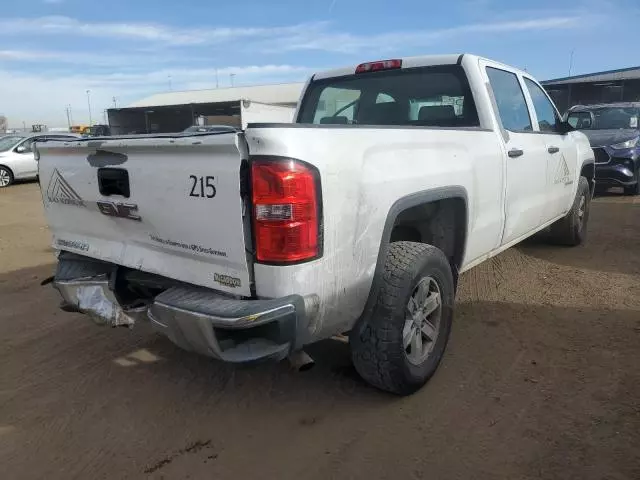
(614, 132)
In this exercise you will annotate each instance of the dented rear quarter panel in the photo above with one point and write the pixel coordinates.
(364, 171)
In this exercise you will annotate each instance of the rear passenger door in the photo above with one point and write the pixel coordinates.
(562, 155)
(526, 152)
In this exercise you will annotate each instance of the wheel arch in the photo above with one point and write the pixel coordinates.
(7, 167)
(406, 203)
(11, 172)
(588, 170)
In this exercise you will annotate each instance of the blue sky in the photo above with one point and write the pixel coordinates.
(52, 51)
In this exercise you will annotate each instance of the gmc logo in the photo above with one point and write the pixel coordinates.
(120, 210)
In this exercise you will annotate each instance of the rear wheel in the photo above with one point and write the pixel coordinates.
(398, 347)
(6, 177)
(572, 229)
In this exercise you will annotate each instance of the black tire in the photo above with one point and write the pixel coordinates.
(377, 344)
(5, 172)
(572, 229)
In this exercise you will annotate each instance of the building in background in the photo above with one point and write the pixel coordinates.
(4, 124)
(621, 85)
(175, 111)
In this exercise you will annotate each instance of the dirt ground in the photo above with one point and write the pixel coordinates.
(541, 380)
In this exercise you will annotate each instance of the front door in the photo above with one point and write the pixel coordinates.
(562, 156)
(526, 164)
(24, 160)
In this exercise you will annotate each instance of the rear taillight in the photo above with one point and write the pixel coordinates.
(379, 65)
(286, 210)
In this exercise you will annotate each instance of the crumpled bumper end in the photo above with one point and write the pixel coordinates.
(200, 320)
(92, 297)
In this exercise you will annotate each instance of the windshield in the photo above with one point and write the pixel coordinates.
(605, 118)
(428, 96)
(7, 143)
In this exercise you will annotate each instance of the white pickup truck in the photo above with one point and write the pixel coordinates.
(396, 176)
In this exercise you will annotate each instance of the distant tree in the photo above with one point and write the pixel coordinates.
(3, 124)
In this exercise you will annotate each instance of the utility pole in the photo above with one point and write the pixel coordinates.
(216, 78)
(89, 105)
(571, 62)
(68, 110)
(115, 104)
(231, 76)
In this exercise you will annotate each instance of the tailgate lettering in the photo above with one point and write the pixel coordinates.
(227, 280)
(59, 191)
(194, 247)
(120, 210)
(207, 188)
(75, 244)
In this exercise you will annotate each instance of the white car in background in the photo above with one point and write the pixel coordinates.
(17, 161)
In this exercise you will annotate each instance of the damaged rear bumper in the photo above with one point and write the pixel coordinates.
(200, 320)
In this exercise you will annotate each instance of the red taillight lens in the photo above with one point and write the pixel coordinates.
(379, 65)
(286, 215)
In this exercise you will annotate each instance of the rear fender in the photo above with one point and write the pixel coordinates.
(402, 204)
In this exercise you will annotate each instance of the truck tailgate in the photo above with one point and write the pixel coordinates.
(165, 205)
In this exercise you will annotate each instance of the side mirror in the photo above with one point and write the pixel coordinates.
(564, 127)
(21, 149)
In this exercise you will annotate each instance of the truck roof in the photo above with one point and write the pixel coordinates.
(407, 62)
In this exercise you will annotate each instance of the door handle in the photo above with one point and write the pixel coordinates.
(553, 149)
(515, 152)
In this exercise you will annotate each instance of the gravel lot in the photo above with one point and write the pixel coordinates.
(541, 380)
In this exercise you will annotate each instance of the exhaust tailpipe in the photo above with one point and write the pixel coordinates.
(300, 361)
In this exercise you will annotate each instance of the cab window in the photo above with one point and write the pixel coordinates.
(336, 105)
(437, 96)
(548, 118)
(512, 106)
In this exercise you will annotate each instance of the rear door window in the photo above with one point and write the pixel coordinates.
(437, 96)
(512, 106)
